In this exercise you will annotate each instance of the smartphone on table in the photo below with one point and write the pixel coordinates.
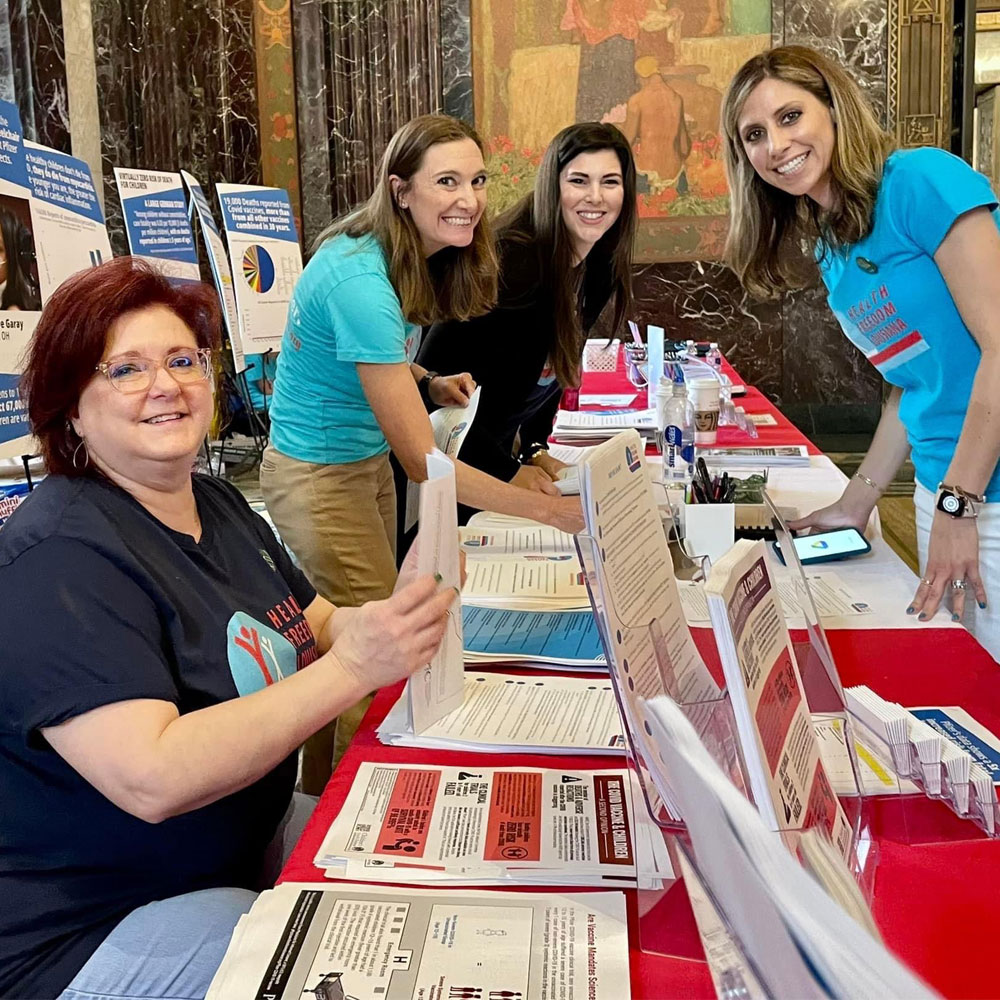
(828, 546)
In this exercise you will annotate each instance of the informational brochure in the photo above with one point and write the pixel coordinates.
(266, 260)
(653, 650)
(506, 713)
(526, 539)
(69, 230)
(342, 942)
(836, 601)
(958, 726)
(222, 274)
(436, 690)
(520, 584)
(785, 770)
(761, 455)
(591, 425)
(18, 318)
(570, 822)
(876, 772)
(799, 928)
(567, 638)
(451, 425)
(154, 209)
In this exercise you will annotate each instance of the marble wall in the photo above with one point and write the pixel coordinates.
(306, 96)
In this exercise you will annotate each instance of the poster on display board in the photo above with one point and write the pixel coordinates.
(222, 275)
(68, 222)
(264, 251)
(20, 299)
(156, 221)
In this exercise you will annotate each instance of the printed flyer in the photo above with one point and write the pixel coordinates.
(70, 234)
(20, 300)
(156, 221)
(265, 257)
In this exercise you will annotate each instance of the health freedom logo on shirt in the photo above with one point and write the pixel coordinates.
(258, 656)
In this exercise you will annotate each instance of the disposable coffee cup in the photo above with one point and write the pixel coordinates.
(703, 394)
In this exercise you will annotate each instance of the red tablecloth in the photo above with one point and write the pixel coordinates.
(935, 901)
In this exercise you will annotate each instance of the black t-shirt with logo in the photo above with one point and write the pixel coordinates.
(103, 603)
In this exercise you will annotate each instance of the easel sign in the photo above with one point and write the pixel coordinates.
(20, 302)
(156, 222)
(265, 257)
(222, 275)
(68, 222)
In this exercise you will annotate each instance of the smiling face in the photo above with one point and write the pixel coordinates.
(590, 196)
(446, 196)
(788, 136)
(145, 436)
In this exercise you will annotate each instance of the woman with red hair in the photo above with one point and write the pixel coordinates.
(164, 659)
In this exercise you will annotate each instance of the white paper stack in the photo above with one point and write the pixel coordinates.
(801, 942)
(888, 720)
(504, 826)
(566, 639)
(340, 941)
(503, 713)
(594, 426)
(927, 745)
(981, 783)
(958, 766)
(498, 537)
(525, 585)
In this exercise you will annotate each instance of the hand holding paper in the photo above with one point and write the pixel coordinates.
(385, 641)
(452, 390)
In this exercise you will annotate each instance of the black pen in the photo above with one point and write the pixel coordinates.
(724, 490)
(706, 479)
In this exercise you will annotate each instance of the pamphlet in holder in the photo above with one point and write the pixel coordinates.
(641, 667)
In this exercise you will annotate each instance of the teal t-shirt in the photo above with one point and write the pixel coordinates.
(344, 310)
(893, 303)
(260, 369)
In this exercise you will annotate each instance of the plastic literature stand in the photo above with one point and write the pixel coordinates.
(651, 673)
(904, 776)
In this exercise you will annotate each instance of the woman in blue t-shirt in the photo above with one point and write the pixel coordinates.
(163, 659)
(347, 388)
(909, 249)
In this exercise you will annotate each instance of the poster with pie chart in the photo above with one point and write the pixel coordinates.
(258, 268)
(266, 260)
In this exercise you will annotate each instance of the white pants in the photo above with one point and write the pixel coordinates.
(984, 625)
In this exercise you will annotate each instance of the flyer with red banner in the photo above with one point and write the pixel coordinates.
(786, 774)
(484, 819)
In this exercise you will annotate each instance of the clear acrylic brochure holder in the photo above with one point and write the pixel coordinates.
(886, 770)
(665, 926)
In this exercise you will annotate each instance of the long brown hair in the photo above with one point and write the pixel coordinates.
(459, 282)
(607, 269)
(767, 226)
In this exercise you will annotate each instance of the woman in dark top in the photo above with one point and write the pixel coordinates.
(565, 252)
(163, 659)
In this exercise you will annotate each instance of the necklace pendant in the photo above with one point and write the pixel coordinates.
(866, 265)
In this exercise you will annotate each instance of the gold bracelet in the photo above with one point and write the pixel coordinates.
(869, 482)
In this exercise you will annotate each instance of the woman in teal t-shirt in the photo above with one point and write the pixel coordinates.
(908, 246)
(347, 389)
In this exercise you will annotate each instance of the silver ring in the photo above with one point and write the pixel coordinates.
(927, 583)
(959, 584)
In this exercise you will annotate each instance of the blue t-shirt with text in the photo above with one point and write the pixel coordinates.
(344, 310)
(893, 303)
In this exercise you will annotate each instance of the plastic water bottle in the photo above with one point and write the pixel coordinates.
(678, 438)
(661, 399)
(715, 358)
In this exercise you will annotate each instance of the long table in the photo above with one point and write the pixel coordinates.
(937, 883)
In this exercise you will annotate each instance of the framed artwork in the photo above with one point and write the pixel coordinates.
(656, 69)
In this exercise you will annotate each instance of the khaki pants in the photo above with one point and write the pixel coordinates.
(340, 521)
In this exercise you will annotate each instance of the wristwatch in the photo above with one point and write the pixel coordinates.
(956, 502)
(424, 385)
(533, 450)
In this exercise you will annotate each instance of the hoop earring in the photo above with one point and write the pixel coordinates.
(76, 454)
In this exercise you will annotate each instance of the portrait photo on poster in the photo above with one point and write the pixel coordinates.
(19, 288)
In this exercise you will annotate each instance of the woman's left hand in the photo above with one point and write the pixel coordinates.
(952, 555)
(549, 465)
(451, 390)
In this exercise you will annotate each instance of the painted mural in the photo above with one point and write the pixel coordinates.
(655, 68)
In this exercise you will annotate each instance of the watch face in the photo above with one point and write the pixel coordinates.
(951, 504)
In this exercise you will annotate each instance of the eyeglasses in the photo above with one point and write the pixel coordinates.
(137, 374)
